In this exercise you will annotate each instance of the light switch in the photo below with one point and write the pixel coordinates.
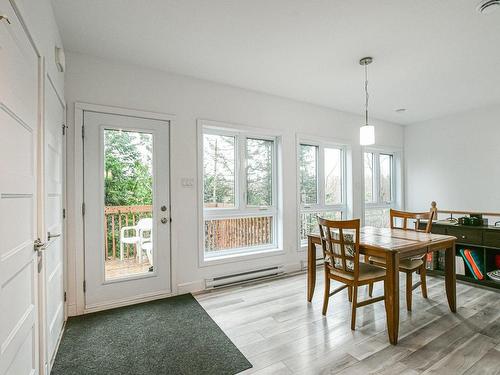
(187, 182)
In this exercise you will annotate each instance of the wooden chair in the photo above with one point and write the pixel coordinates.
(408, 266)
(340, 242)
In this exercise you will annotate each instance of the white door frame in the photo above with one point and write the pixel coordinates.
(78, 307)
(42, 229)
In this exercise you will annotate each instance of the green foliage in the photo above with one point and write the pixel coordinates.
(307, 174)
(128, 179)
(259, 172)
(218, 170)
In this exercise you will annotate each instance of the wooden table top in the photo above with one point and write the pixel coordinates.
(395, 239)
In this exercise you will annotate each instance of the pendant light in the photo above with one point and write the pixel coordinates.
(366, 132)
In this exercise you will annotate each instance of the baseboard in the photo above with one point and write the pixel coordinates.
(191, 287)
(72, 310)
(196, 286)
(126, 302)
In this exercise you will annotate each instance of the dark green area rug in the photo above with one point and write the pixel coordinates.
(168, 336)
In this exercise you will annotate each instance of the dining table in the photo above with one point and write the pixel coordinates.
(394, 245)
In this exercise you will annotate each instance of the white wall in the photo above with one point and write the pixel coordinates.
(102, 82)
(454, 161)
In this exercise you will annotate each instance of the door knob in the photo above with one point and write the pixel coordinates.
(164, 220)
(38, 245)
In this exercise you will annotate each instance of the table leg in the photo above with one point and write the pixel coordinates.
(391, 288)
(311, 269)
(450, 278)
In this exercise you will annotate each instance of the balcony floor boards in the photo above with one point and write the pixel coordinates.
(116, 268)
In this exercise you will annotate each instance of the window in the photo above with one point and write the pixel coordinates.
(379, 187)
(239, 192)
(321, 169)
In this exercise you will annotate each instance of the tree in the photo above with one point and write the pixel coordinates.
(218, 170)
(307, 174)
(128, 176)
(259, 172)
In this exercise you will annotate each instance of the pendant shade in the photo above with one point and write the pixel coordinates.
(367, 135)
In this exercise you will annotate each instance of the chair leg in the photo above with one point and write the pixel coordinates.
(370, 289)
(423, 280)
(349, 293)
(409, 289)
(354, 303)
(326, 297)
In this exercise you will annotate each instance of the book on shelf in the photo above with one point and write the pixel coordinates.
(459, 265)
(472, 261)
(431, 261)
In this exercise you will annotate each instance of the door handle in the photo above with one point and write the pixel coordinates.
(50, 236)
(38, 245)
(2, 17)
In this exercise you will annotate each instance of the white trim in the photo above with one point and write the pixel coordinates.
(235, 255)
(127, 301)
(240, 128)
(123, 111)
(242, 133)
(79, 307)
(396, 176)
(321, 143)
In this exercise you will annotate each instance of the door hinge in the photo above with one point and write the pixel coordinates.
(64, 296)
(84, 286)
(83, 208)
(64, 128)
(64, 213)
(83, 131)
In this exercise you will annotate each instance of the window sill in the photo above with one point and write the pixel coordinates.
(237, 257)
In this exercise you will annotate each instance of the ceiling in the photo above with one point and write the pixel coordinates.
(432, 57)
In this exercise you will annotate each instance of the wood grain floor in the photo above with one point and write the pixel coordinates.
(280, 333)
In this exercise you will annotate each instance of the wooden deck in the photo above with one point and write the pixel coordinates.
(115, 268)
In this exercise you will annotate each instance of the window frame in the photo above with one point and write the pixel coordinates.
(395, 176)
(241, 208)
(320, 205)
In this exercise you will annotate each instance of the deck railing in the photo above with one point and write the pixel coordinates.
(117, 217)
(220, 234)
(230, 233)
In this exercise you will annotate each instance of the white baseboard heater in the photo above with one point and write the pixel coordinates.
(244, 277)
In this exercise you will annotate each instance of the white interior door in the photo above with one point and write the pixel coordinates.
(18, 198)
(52, 283)
(126, 209)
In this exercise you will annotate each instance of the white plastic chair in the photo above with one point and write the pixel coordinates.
(138, 239)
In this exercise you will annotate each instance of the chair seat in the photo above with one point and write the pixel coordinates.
(130, 239)
(147, 246)
(404, 264)
(366, 272)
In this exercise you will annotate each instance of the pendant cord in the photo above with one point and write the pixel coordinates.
(366, 94)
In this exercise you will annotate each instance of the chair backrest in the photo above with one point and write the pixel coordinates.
(340, 242)
(413, 216)
(145, 224)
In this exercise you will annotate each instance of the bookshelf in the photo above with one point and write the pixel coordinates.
(483, 242)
